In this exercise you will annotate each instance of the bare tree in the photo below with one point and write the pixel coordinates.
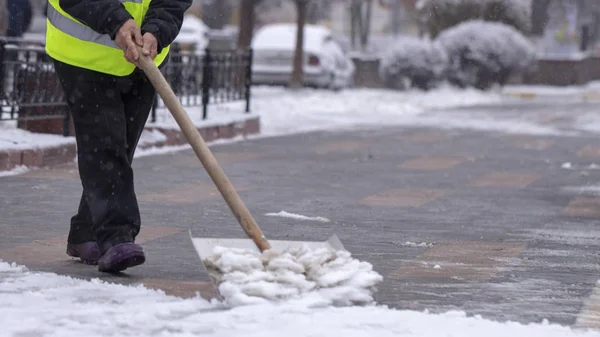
(297, 79)
(539, 16)
(246, 28)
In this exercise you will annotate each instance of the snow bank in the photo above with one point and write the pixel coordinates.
(251, 277)
(12, 138)
(285, 214)
(286, 112)
(36, 304)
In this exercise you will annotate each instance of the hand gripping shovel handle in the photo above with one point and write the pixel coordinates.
(194, 138)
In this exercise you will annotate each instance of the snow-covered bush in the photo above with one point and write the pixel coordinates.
(413, 62)
(482, 53)
(439, 15)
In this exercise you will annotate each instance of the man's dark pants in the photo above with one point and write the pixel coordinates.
(109, 114)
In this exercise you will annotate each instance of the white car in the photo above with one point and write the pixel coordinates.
(193, 34)
(325, 63)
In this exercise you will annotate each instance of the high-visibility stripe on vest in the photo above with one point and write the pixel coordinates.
(72, 42)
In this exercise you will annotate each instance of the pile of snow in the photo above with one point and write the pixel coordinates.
(45, 304)
(285, 214)
(248, 277)
(413, 62)
(414, 244)
(485, 53)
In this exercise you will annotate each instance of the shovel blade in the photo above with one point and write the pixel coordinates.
(204, 248)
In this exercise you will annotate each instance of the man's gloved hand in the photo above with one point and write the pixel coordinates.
(150, 45)
(128, 38)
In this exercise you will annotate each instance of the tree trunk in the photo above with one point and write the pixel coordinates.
(357, 23)
(352, 26)
(366, 28)
(539, 16)
(297, 74)
(246, 24)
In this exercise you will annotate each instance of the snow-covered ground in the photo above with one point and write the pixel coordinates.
(285, 111)
(36, 304)
(43, 304)
(12, 138)
(15, 171)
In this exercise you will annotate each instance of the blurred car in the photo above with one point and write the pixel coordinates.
(193, 36)
(325, 63)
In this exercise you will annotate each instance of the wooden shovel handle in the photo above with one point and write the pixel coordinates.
(192, 135)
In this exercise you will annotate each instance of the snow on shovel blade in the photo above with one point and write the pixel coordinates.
(205, 247)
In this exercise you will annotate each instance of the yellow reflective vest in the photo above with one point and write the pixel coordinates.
(71, 42)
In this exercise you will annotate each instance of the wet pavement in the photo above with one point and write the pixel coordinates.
(491, 223)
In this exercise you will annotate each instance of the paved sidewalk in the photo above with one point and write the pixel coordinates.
(489, 223)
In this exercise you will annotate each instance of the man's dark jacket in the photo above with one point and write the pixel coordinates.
(163, 19)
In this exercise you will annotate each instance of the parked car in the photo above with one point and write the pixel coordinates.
(193, 35)
(325, 63)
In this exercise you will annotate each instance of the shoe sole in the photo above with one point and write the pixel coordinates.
(132, 259)
(85, 261)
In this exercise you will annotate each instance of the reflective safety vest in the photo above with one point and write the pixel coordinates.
(71, 42)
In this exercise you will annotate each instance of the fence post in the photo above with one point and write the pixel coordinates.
(249, 78)
(3, 74)
(207, 77)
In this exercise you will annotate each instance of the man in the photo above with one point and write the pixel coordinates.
(94, 45)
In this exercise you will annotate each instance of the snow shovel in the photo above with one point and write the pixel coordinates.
(204, 246)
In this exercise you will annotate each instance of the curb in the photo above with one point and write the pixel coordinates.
(63, 154)
(532, 95)
(522, 94)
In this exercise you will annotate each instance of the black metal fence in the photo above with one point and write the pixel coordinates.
(29, 89)
(210, 77)
(30, 92)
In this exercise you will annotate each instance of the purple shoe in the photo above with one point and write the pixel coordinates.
(120, 257)
(88, 252)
